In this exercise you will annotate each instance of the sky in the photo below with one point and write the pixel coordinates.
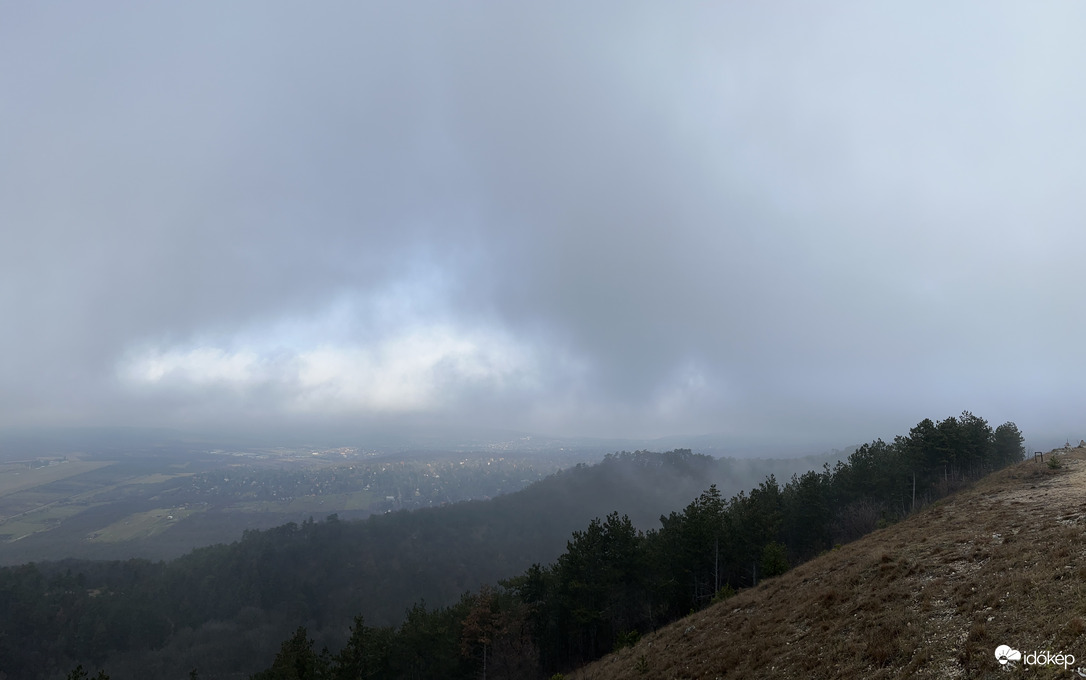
(785, 224)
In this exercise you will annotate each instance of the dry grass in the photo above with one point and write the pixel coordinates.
(1003, 562)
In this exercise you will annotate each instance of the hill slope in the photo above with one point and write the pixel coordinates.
(1002, 563)
(224, 608)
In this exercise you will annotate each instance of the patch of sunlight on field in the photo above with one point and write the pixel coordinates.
(36, 521)
(12, 481)
(326, 503)
(141, 525)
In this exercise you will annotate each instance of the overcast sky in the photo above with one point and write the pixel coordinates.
(787, 223)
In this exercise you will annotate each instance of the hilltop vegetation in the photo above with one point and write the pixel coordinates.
(1002, 563)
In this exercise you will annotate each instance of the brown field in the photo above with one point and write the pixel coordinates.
(1002, 563)
(21, 479)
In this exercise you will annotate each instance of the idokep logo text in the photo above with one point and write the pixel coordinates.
(1005, 654)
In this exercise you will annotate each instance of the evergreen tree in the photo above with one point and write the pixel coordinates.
(806, 514)
(1007, 444)
(366, 654)
(78, 673)
(296, 660)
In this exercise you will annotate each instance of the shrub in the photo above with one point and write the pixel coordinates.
(774, 560)
(628, 638)
(724, 593)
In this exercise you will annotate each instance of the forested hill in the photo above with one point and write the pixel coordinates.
(221, 610)
(615, 583)
(935, 596)
(225, 608)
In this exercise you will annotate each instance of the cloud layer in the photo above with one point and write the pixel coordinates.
(787, 224)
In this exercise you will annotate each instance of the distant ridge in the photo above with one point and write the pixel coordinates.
(934, 596)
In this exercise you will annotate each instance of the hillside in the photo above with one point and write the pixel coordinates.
(225, 608)
(221, 610)
(1001, 563)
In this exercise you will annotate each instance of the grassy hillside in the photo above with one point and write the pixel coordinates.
(1002, 563)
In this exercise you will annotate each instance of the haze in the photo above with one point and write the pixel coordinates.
(778, 223)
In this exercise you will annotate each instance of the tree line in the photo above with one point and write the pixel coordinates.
(224, 608)
(615, 582)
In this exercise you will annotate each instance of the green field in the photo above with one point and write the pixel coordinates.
(41, 519)
(141, 525)
(40, 500)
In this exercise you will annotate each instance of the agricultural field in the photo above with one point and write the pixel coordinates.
(52, 495)
(40, 519)
(141, 525)
(15, 478)
(161, 503)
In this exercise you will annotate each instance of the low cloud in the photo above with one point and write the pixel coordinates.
(609, 219)
(414, 371)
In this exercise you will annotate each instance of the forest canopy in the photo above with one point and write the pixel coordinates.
(615, 583)
(220, 609)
